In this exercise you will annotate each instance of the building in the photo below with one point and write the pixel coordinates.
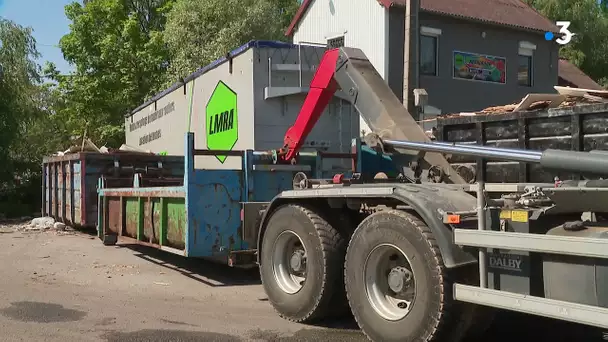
(472, 53)
(571, 76)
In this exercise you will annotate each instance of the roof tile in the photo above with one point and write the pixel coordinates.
(505, 12)
(513, 13)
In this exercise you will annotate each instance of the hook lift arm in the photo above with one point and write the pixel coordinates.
(349, 69)
(322, 89)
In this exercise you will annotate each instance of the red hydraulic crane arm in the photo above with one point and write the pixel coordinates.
(322, 89)
(349, 69)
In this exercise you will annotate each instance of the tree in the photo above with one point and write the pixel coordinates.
(198, 32)
(120, 58)
(589, 22)
(18, 81)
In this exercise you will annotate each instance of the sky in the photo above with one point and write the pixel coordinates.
(47, 19)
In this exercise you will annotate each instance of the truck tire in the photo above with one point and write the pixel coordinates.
(397, 285)
(302, 264)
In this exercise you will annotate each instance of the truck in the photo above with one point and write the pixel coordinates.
(400, 240)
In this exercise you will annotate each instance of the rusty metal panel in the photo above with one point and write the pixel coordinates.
(54, 197)
(132, 212)
(68, 193)
(76, 191)
(60, 191)
(214, 223)
(114, 216)
(152, 220)
(174, 218)
(145, 218)
(46, 199)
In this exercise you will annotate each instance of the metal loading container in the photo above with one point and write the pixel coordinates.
(578, 128)
(69, 182)
(244, 101)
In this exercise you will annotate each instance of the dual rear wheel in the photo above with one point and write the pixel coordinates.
(391, 275)
(301, 264)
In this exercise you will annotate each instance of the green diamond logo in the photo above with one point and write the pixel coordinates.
(222, 120)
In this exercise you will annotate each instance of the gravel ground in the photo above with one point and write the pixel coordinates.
(61, 285)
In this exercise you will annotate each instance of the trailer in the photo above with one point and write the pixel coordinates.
(69, 182)
(400, 240)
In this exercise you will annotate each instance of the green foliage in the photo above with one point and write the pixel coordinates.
(20, 96)
(119, 57)
(589, 21)
(199, 32)
(18, 90)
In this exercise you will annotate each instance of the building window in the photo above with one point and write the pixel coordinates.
(429, 48)
(336, 42)
(525, 72)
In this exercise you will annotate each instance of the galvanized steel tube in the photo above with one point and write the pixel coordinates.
(489, 148)
(495, 153)
(481, 225)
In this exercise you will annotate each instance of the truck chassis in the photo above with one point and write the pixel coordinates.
(428, 255)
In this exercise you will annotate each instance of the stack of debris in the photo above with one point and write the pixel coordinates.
(566, 97)
(36, 224)
(88, 146)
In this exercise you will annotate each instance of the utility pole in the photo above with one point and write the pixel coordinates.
(411, 59)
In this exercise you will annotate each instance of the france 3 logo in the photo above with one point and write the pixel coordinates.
(566, 34)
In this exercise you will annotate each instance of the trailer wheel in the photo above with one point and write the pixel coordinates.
(396, 282)
(301, 264)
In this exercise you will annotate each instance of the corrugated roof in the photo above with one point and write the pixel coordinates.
(512, 13)
(575, 76)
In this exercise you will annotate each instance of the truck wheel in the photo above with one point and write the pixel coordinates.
(396, 281)
(301, 264)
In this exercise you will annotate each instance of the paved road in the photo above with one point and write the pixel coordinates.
(58, 286)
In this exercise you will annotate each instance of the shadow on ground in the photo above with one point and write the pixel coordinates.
(36, 312)
(507, 327)
(513, 326)
(206, 272)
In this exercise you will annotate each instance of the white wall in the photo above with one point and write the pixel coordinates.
(363, 23)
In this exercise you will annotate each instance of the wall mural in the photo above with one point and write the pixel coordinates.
(477, 67)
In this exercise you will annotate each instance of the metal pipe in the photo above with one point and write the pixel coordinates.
(481, 225)
(488, 148)
(580, 162)
(300, 63)
(509, 155)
